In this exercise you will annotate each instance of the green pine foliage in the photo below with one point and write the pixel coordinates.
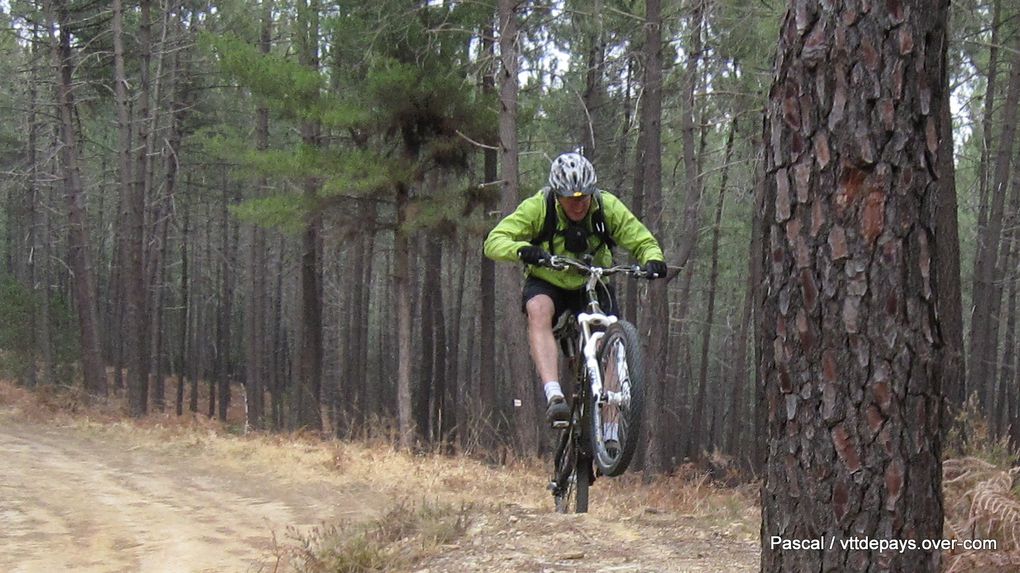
(19, 309)
(390, 113)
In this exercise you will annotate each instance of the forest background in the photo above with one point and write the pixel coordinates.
(289, 197)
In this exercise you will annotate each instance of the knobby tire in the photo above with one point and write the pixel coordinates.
(620, 341)
(573, 472)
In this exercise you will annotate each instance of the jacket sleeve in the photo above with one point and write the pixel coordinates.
(629, 232)
(516, 230)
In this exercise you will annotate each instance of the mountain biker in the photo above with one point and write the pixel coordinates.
(588, 222)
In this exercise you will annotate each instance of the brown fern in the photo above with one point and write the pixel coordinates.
(981, 505)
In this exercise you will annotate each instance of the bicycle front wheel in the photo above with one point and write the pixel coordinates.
(616, 414)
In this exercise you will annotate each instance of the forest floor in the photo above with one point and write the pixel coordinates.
(84, 491)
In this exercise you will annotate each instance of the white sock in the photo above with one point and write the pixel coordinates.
(552, 390)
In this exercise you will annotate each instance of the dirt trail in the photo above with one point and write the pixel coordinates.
(94, 498)
(69, 502)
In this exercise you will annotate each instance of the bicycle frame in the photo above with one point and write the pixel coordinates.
(589, 340)
(591, 326)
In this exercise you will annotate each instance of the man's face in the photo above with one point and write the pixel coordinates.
(575, 207)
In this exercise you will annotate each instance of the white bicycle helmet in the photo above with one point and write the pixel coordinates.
(572, 175)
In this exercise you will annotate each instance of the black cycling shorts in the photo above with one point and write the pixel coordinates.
(563, 299)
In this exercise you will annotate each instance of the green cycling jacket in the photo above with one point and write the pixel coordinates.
(525, 224)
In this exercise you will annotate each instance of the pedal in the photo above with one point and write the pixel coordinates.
(560, 425)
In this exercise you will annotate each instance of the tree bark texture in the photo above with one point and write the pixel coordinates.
(655, 323)
(486, 396)
(135, 318)
(311, 349)
(695, 440)
(402, 286)
(83, 284)
(508, 277)
(851, 333)
(950, 301)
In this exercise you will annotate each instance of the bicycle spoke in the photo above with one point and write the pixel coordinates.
(616, 418)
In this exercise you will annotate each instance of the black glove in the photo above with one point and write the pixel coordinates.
(533, 254)
(655, 269)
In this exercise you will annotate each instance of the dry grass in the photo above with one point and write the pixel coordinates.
(406, 534)
(437, 489)
(455, 479)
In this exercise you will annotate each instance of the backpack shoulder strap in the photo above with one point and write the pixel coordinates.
(598, 223)
(549, 224)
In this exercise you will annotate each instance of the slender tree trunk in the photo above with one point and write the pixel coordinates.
(84, 290)
(310, 379)
(487, 277)
(367, 401)
(457, 393)
(695, 440)
(39, 232)
(402, 284)
(692, 178)
(997, 420)
(437, 317)
(739, 379)
(655, 323)
(850, 352)
(638, 207)
(224, 328)
(983, 343)
(280, 344)
(978, 287)
(949, 272)
(594, 96)
(507, 276)
(184, 364)
(157, 256)
(136, 318)
(424, 396)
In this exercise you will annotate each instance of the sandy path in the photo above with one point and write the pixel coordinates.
(69, 502)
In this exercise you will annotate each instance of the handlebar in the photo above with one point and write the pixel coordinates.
(563, 263)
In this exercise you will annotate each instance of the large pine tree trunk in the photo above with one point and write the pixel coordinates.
(84, 290)
(850, 352)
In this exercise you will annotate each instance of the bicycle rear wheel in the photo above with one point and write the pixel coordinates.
(616, 415)
(573, 474)
(573, 489)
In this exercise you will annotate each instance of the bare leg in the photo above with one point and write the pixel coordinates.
(540, 337)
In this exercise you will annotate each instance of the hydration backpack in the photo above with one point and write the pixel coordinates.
(598, 223)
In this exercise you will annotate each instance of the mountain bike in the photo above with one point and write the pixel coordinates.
(607, 369)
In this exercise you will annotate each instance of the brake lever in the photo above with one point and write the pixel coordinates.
(553, 262)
